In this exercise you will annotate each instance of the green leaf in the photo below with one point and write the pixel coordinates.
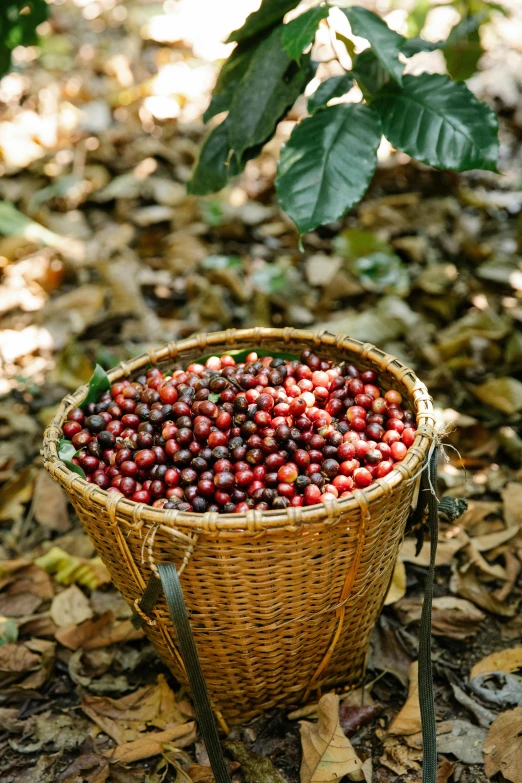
(382, 273)
(19, 29)
(417, 17)
(415, 45)
(300, 33)
(214, 397)
(348, 43)
(66, 452)
(210, 169)
(333, 87)
(270, 13)
(327, 164)
(463, 49)
(221, 262)
(231, 73)
(439, 122)
(98, 383)
(264, 95)
(8, 631)
(369, 73)
(385, 43)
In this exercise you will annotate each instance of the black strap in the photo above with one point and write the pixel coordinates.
(178, 612)
(426, 700)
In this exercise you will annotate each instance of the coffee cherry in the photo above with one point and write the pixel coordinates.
(362, 477)
(288, 473)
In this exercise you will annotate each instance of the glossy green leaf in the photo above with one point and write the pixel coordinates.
(300, 33)
(439, 122)
(385, 43)
(327, 164)
(231, 73)
(66, 452)
(264, 95)
(369, 73)
(463, 49)
(415, 45)
(268, 14)
(98, 383)
(333, 87)
(210, 170)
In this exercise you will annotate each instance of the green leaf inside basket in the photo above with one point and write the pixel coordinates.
(66, 452)
(98, 383)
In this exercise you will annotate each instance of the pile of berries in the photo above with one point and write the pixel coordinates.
(265, 433)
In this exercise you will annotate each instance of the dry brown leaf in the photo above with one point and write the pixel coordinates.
(503, 393)
(49, 503)
(18, 604)
(15, 493)
(408, 720)
(20, 576)
(462, 739)
(70, 607)
(503, 748)
(17, 658)
(445, 769)
(468, 586)
(446, 551)
(512, 500)
(126, 718)
(76, 636)
(453, 617)
(152, 744)
(327, 754)
(397, 588)
(502, 661)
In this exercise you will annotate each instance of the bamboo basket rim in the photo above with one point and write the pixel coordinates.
(253, 521)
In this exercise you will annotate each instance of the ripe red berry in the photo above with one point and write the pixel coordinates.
(288, 473)
(362, 477)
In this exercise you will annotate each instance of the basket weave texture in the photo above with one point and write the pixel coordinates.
(281, 603)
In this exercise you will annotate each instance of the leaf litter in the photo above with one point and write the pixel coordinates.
(103, 255)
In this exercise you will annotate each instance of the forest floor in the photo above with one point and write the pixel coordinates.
(102, 256)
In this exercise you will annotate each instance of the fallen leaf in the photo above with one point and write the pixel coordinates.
(484, 716)
(76, 636)
(49, 503)
(408, 720)
(102, 635)
(397, 588)
(353, 717)
(15, 493)
(464, 741)
(17, 658)
(453, 617)
(70, 607)
(55, 732)
(499, 688)
(327, 754)
(468, 586)
(502, 661)
(93, 769)
(255, 768)
(152, 744)
(512, 500)
(504, 394)
(490, 541)
(503, 748)
(446, 551)
(126, 718)
(68, 569)
(445, 769)
(18, 604)
(387, 653)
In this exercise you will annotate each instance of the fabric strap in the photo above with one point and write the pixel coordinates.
(178, 612)
(426, 700)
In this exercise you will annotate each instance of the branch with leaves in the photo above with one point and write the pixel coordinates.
(329, 160)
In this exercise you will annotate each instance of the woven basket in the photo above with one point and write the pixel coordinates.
(281, 603)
